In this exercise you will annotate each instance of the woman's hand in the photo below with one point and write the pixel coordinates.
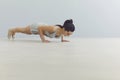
(46, 41)
(65, 41)
(62, 40)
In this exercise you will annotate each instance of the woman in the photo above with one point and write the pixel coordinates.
(52, 31)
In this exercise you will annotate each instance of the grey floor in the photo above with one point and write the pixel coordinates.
(80, 59)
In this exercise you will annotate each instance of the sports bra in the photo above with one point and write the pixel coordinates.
(34, 30)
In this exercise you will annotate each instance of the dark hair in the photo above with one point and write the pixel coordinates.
(59, 25)
(68, 25)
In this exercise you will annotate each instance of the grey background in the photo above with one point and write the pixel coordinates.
(92, 18)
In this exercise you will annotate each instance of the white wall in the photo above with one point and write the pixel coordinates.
(93, 18)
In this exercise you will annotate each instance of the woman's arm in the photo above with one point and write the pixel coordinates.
(62, 40)
(42, 35)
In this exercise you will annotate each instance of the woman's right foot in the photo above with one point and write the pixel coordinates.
(10, 34)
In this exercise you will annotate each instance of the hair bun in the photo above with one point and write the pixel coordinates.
(68, 21)
(68, 25)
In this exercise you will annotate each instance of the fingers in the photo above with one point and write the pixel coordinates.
(46, 41)
(65, 41)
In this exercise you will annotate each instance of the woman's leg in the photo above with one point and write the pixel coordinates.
(13, 31)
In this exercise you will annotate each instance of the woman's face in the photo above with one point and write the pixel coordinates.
(67, 33)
